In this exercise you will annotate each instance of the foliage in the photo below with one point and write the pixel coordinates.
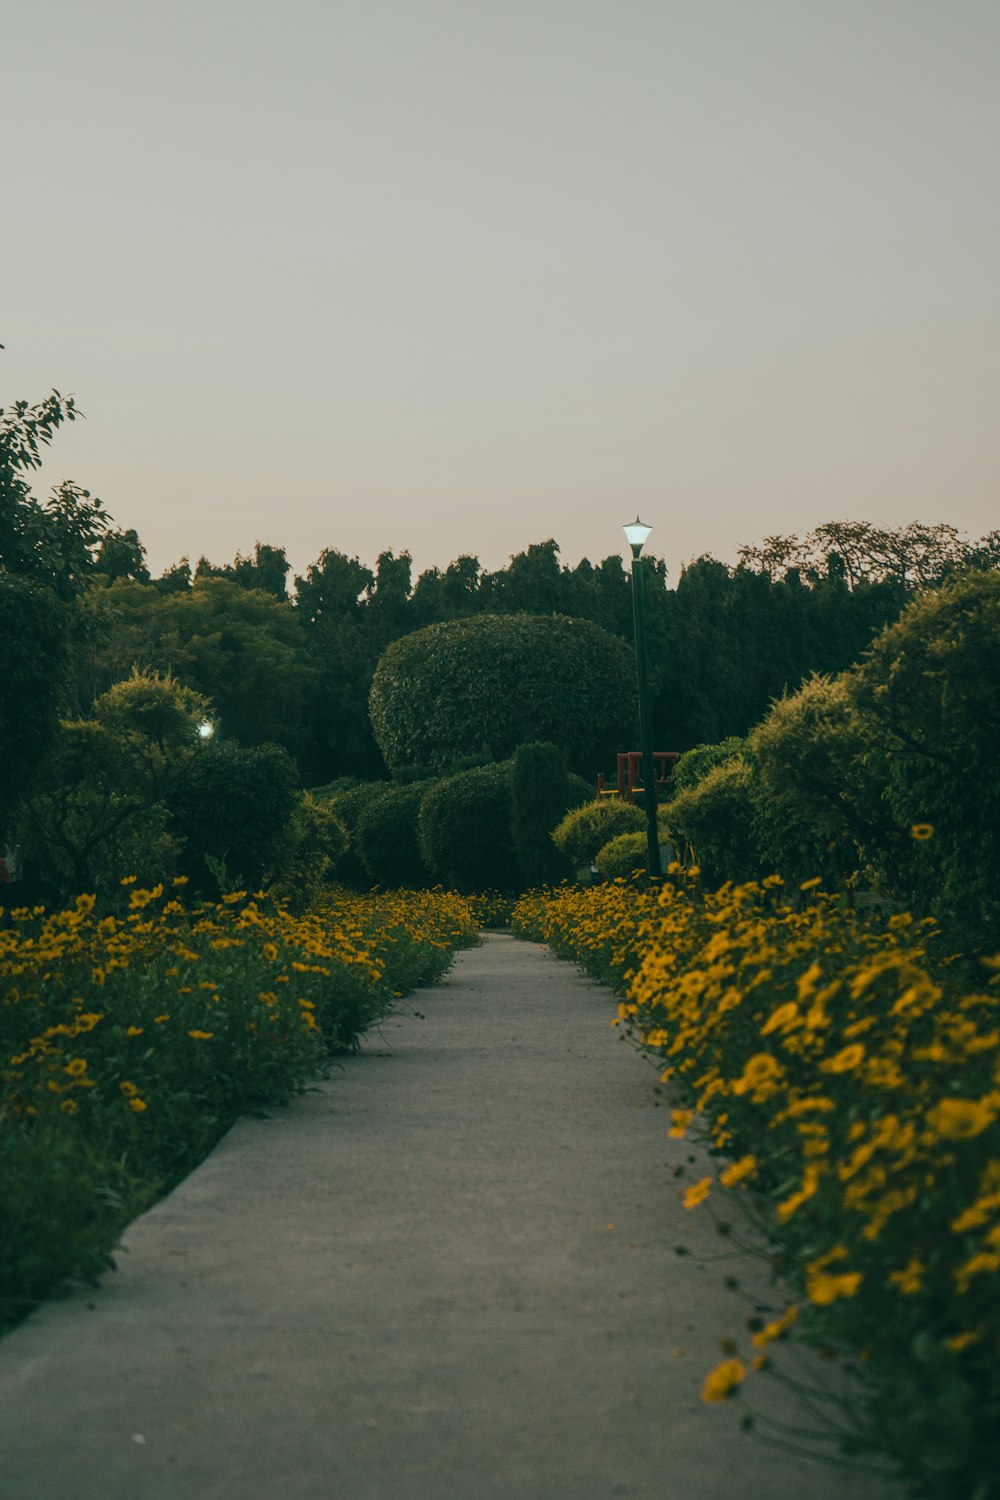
(33, 628)
(819, 776)
(540, 795)
(350, 806)
(930, 691)
(388, 839)
(694, 764)
(308, 853)
(587, 828)
(491, 683)
(131, 1045)
(846, 1069)
(716, 817)
(623, 856)
(55, 543)
(234, 805)
(465, 830)
(105, 778)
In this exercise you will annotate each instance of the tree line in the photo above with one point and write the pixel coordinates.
(289, 661)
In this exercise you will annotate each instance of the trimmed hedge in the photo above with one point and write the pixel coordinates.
(465, 830)
(490, 683)
(388, 841)
(589, 827)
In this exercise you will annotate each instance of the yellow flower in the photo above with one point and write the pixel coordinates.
(961, 1119)
(68, 1106)
(680, 1119)
(128, 1089)
(810, 1183)
(824, 1289)
(270, 952)
(846, 1059)
(922, 831)
(785, 1015)
(159, 1020)
(77, 1067)
(697, 1193)
(963, 1340)
(179, 880)
(128, 880)
(910, 1279)
(724, 1380)
(776, 1329)
(134, 1031)
(137, 1105)
(760, 1070)
(202, 1036)
(738, 1171)
(810, 885)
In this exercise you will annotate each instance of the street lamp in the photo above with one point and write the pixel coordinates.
(636, 533)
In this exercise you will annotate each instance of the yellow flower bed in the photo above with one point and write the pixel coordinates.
(128, 1045)
(849, 1070)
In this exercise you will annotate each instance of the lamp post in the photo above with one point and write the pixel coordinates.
(637, 532)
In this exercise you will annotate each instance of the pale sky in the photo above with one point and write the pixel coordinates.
(454, 277)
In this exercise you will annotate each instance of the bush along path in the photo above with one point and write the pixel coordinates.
(130, 1044)
(449, 1272)
(843, 1073)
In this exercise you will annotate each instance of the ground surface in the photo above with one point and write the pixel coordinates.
(449, 1274)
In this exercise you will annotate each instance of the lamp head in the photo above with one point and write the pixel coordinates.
(637, 532)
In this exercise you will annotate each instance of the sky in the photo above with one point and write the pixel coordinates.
(456, 276)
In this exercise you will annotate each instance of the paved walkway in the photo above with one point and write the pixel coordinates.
(446, 1275)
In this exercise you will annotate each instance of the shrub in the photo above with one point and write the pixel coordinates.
(308, 853)
(817, 790)
(716, 817)
(465, 830)
(487, 684)
(541, 793)
(589, 827)
(695, 764)
(232, 808)
(350, 806)
(388, 840)
(622, 857)
(930, 688)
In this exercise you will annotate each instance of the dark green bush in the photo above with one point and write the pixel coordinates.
(930, 689)
(388, 841)
(817, 787)
(465, 830)
(487, 684)
(309, 853)
(541, 793)
(587, 828)
(350, 806)
(695, 764)
(232, 808)
(716, 818)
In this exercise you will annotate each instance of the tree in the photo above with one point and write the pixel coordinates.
(488, 684)
(35, 660)
(55, 543)
(110, 772)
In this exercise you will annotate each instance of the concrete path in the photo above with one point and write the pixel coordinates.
(447, 1275)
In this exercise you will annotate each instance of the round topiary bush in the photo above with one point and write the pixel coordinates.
(493, 682)
(622, 857)
(388, 840)
(587, 829)
(465, 830)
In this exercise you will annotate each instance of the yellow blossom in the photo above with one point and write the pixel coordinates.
(775, 1330)
(723, 1380)
(697, 1193)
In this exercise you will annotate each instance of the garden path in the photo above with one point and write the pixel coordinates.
(447, 1274)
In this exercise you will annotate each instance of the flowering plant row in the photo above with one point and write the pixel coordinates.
(129, 1045)
(846, 1070)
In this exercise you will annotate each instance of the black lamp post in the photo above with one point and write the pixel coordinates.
(637, 532)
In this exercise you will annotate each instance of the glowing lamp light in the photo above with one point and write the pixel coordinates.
(637, 532)
(206, 729)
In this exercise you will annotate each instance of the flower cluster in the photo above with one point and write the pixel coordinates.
(128, 1045)
(848, 1069)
